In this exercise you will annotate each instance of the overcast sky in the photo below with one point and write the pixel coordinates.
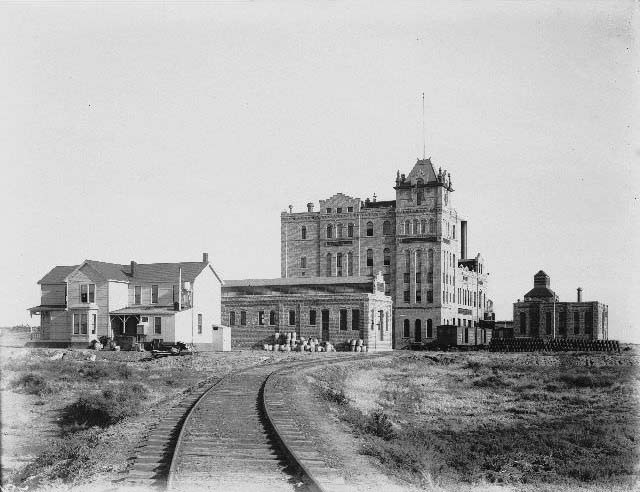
(155, 132)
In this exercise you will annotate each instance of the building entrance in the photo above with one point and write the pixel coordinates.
(325, 325)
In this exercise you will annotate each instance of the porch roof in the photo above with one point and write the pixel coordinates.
(47, 307)
(145, 310)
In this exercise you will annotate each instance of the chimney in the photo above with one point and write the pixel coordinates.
(463, 239)
(290, 209)
(205, 257)
(309, 207)
(133, 268)
(579, 294)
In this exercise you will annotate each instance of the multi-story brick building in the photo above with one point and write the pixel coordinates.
(418, 241)
(541, 315)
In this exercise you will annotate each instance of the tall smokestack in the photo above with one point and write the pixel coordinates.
(463, 239)
(579, 294)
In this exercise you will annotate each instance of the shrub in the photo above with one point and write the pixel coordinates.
(379, 424)
(493, 381)
(33, 384)
(334, 396)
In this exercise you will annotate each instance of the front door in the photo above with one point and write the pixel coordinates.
(325, 325)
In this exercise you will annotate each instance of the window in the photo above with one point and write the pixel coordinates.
(76, 324)
(386, 228)
(199, 324)
(328, 210)
(407, 296)
(349, 209)
(261, 318)
(154, 294)
(407, 227)
(432, 226)
(232, 318)
(272, 318)
(369, 228)
(466, 335)
(329, 231)
(407, 261)
(94, 323)
(563, 322)
(420, 197)
(588, 322)
(243, 318)
(312, 317)
(303, 262)
(429, 328)
(454, 234)
(405, 277)
(303, 232)
(355, 319)
(350, 263)
(350, 230)
(339, 231)
(87, 293)
(343, 319)
(576, 323)
(416, 226)
(423, 226)
(387, 257)
(370, 258)
(418, 295)
(406, 328)
(292, 318)
(339, 264)
(157, 325)
(137, 294)
(417, 333)
(329, 265)
(523, 323)
(339, 210)
(548, 322)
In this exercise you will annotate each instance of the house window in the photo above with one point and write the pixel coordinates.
(339, 264)
(76, 324)
(232, 318)
(386, 228)
(243, 318)
(523, 323)
(369, 228)
(432, 226)
(199, 324)
(588, 322)
(157, 325)
(548, 322)
(562, 322)
(429, 296)
(576, 323)
(329, 265)
(387, 257)
(339, 231)
(350, 263)
(328, 210)
(420, 198)
(349, 209)
(350, 230)
(292, 318)
(94, 323)
(429, 328)
(261, 317)
(407, 296)
(343, 319)
(83, 324)
(407, 227)
(303, 232)
(355, 319)
(137, 294)
(87, 293)
(418, 295)
(370, 258)
(329, 231)
(339, 210)
(406, 328)
(154, 294)
(303, 262)
(312, 317)
(272, 318)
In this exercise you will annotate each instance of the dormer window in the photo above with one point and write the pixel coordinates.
(87, 293)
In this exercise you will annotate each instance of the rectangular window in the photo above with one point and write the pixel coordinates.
(588, 322)
(407, 296)
(312, 317)
(303, 262)
(261, 317)
(548, 323)
(154, 294)
(232, 318)
(92, 293)
(83, 324)
(576, 323)
(87, 293)
(144, 319)
(429, 296)
(94, 323)
(349, 209)
(406, 278)
(418, 278)
(137, 294)
(76, 324)
(292, 318)
(157, 325)
(343, 319)
(243, 318)
(339, 210)
(355, 319)
(418, 296)
(199, 324)
(328, 210)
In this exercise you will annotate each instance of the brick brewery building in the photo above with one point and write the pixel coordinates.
(418, 241)
(541, 315)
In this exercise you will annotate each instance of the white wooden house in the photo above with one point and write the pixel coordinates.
(175, 302)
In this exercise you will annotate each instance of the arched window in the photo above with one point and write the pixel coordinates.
(339, 231)
(407, 227)
(350, 230)
(303, 262)
(350, 263)
(272, 317)
(419, 197)
(423, 226)
(387, 257)
(432, 226)
(406, 328)
(523, 323)
(430, 260)
(369, 228)
(303, 232)
(370, 258)
(339, 264)
(416, 226)
(420, 182)
(429, 328)
(417, 332)
(329, 266)
(386, 228)
(329, 231)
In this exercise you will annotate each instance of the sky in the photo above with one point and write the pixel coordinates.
(157, 131)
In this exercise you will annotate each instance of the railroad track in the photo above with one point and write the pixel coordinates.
(232, 437)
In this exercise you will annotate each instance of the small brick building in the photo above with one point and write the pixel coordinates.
(542, 315)
(334, 309)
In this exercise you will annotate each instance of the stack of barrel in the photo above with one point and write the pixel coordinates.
(357, 345)
(552, 345)
(288, 342)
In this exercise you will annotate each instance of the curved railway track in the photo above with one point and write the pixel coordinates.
(235, 435)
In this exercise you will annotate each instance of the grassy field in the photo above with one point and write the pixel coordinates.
(515, 421)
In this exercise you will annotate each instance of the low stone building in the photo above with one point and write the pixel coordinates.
(334, 309)
(542, 315)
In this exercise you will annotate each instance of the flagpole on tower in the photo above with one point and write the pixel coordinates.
(424, 137)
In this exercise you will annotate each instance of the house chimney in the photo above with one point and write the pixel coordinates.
(290, 209)
(205, 257)
(133, 268)
(579, 294)
(309, 207)
(463, 239)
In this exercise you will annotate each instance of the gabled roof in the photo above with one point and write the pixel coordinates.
(167, 272)
(57, 275)
(423, 169)
(110, 271)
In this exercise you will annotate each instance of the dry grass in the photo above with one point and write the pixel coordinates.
(524, 420)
